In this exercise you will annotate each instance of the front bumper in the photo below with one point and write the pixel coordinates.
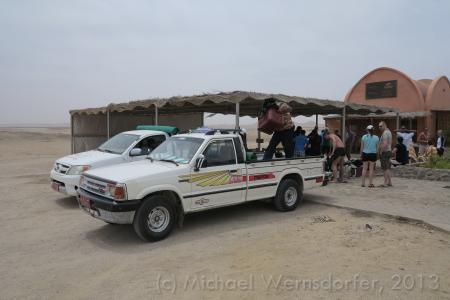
(66, 184)
(108, 210)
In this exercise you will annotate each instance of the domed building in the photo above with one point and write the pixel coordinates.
(423, 103)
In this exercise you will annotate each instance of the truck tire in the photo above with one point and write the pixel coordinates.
(289, 195)
(154, 219)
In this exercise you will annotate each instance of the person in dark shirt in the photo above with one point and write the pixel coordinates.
(314, 143)
(350, 137)
(400, 152)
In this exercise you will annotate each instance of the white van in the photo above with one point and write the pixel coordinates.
(124, 147)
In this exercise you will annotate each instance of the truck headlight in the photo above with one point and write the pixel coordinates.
(82, 180)
(117, 191)
(77, 170)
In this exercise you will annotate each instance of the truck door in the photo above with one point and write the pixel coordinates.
(221, 179)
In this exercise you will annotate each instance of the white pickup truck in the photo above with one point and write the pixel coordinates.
(189, 173)
(125, 147)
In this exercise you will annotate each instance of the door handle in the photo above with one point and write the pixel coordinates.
(233, 171)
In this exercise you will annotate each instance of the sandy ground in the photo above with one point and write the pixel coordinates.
(424, 200)
(50, 249)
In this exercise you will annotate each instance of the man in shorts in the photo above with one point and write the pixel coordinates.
(337, 154)
(384, 150)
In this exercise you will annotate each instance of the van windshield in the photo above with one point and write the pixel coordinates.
(177, 149)
(118, 143)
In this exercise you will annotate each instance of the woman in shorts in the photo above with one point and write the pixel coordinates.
(369, 146)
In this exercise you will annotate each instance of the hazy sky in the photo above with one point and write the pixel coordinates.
(60, 55)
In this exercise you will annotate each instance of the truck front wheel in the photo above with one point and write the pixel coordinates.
(289, 195)
(154, 219)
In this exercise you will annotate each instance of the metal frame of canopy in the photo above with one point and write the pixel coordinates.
(239, 103)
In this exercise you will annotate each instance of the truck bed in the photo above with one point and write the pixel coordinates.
(263, 175)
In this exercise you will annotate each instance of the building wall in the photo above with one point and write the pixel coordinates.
(438, 96)
(430, 96)
(409, 97)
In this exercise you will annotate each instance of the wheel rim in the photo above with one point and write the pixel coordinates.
(290, 196)
(158, 219)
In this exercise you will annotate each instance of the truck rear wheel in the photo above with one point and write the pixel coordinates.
(154, 219)
(289, 195)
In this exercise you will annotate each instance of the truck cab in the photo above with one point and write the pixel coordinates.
(189, 173)
(124, 147)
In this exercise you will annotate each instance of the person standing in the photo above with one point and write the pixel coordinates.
(337, 154)
(349, 142)
(314, 143)
(369, 146)
(285, 135)
(440, 143)
(300, 142)
(407, 136)
(384, 149)
(422, 140)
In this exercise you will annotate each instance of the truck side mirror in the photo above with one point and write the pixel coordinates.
(200, 163)
(135, 152)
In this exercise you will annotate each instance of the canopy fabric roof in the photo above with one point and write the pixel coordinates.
(249, 105)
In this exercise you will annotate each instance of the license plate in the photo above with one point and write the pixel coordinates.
(55, 186)
(84, 201)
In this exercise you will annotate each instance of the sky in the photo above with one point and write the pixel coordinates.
(61, 55)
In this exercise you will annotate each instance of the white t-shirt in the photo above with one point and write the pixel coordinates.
(439, 143)
(407, 138)
(386, 141)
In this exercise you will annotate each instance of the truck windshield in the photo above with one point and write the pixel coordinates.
(118, 143)
(177, 149)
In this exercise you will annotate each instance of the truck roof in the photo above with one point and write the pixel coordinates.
(144, 132)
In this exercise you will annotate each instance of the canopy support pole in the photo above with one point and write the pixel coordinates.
(237, 127)
(107, 123)
(343, 123)
(317, 120)
(72, 143)
(398, 121)
(410, 123)
(156, 115)
(259, 140)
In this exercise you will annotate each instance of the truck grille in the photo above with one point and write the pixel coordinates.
(94, 186)
(61, 168)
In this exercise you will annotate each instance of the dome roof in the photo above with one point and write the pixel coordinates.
(423, 85)
(416, 95)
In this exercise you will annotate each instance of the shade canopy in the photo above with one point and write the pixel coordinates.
(225, 103)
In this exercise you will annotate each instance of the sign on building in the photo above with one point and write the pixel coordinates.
(381, 89)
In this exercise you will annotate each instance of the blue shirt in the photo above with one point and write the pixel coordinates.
(300, 142)
(370, 143)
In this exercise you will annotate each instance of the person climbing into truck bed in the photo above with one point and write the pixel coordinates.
(285, 134)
